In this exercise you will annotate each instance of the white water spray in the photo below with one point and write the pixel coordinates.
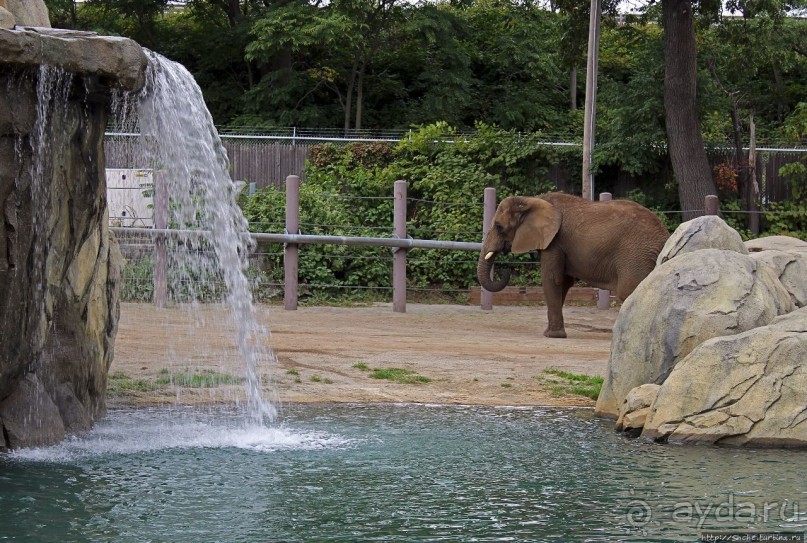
(181, 144)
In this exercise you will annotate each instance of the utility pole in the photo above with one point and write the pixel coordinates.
(590, 113)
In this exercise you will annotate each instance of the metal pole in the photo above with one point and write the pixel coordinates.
(488, 212)
(291, 251)
(303, 239)
(590, 113)
(712, 205)
(399, 254)
(604, 296)
(160, 247)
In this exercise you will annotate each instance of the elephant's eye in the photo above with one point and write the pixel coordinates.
(499, 228)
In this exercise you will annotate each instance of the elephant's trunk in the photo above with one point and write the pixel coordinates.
(484, 272)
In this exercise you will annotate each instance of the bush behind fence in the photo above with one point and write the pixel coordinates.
(348, 192)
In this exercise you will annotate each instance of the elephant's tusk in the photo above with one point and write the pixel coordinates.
(490, 255)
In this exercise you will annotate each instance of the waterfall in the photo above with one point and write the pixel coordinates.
(181, 144)
(53, 90)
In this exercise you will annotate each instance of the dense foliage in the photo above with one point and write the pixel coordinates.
(348, 191)
(394, 64)
(472, 65)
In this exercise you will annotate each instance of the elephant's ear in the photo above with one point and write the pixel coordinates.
(541, 221)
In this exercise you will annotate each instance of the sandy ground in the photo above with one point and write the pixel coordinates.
(471, 356)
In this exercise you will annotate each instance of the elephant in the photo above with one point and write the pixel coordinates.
(610, 245)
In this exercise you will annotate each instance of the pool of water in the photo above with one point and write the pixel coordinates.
(389, 473)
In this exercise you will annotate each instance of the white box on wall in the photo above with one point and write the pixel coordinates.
(130, 197)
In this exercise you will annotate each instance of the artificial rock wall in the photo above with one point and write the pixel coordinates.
(59, 263)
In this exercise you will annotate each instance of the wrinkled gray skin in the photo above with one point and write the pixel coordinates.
(610, 245)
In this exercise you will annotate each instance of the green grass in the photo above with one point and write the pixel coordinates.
(196, 379)
(506, 385)
(398, 375)
(317, 379)
(120, 384)
(361, 366)
(292, 372)
(578, 384)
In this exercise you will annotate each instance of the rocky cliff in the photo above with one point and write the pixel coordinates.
(59, 263)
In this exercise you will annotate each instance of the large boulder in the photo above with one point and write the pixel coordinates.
(777, 243)
(114, 61)
(7, 19)
(746, 389)
(694, 297)
(707, 232)
(791, 268)
(634, 410)
(788, 258)
(30, 418)
(28, 12)
(705, 285)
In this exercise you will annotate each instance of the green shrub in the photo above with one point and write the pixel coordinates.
(348, 192)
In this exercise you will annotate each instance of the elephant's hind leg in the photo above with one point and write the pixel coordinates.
(556, 286)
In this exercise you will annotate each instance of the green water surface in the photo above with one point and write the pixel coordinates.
(389, 473)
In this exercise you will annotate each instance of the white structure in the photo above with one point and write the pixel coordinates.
(130, 196)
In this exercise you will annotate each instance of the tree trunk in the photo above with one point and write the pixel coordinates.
(573, 88)
(359, 96)
(739, 158)
(233, 12)
(753, 187)
(349, 94)
(687, 152)
(590, 113)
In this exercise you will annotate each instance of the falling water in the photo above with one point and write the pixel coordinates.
(182, 145)
(53, 88)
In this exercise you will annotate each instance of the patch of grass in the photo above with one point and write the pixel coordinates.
(361, 366)
(506, 385)
(197, 379)
(120, 384)
(398, 375)
(292, 372)
(564, 382)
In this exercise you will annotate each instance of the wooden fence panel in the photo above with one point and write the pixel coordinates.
(268, 164)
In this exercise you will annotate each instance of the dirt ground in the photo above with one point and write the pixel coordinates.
(471, 356)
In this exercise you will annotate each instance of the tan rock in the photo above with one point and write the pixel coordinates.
(682, 303)
(29, 12)
(791, 267)
(119, 60)
(7, 19)
(787, 244)
(635, 408)
(746, 389)
(707, 232)
(20, 427)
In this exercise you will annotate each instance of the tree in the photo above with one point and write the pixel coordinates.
(62, 13)
(136, 19)
(333, 47)
(687, 151)
(574, 36)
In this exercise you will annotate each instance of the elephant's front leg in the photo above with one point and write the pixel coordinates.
(556, 284)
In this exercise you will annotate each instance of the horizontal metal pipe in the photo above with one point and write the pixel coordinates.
(398, 137)
(301, 239)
